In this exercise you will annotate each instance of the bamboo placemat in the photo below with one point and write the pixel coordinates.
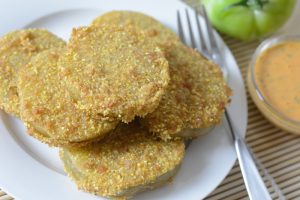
(276, 150)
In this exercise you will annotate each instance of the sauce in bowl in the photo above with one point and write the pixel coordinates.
(277, 74)
(274, 82)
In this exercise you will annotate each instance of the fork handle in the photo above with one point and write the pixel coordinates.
(253, 181)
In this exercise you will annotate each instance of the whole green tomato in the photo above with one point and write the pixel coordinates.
(248, 19)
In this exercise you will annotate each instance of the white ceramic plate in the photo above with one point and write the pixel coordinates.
(30, 170)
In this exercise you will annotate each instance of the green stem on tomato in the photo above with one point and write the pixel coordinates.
(261, 3)
(248, 3)
(241, 3)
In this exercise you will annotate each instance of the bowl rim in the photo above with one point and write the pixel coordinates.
(265, 45)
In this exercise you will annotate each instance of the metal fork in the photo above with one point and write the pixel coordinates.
(254, 184)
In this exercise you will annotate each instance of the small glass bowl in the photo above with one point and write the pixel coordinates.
(269, 111)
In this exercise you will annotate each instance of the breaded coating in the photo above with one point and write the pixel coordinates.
(196, 96)
(16, 50)
(128, 161)
(49, 111)
(153, 28)
(114, 71)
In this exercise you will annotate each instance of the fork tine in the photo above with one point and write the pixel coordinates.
(211, 36)
(203, 47)
(180, 28)
(190, 29)
(215, 53)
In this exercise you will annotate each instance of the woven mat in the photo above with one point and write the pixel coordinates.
(277, 151)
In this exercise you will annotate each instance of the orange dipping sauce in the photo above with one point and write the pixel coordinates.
(277, 75)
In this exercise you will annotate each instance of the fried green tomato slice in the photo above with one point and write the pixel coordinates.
(16, 50)
(128, 161)
(197, 93)
(114, 71)
(153, 28)
(49, 111)
(195, 99)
